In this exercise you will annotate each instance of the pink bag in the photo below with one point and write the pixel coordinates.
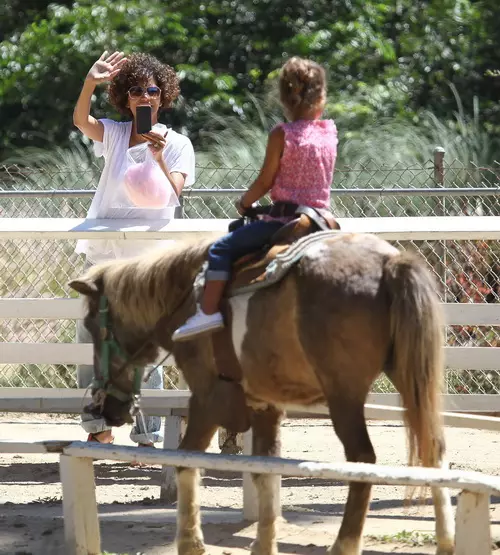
(145, 184)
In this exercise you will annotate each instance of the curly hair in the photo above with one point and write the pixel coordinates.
(302, 85)
(137, 70)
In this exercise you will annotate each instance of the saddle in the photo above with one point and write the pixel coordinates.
(251, 268)
(227, 400)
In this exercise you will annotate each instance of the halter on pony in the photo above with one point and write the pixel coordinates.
(110, 347)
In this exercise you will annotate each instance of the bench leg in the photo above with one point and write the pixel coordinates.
(473, 534)
(175, 427)
(81, 521)
(250, 498)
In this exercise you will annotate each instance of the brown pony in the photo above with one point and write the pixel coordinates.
(351, 307)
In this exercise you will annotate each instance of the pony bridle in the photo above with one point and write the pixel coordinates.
(109, 348)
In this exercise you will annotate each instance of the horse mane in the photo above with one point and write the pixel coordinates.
(142, 289)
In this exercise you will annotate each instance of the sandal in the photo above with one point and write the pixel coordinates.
(138, 464)
(95, 437)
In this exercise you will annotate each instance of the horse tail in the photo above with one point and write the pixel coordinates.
(416, 366)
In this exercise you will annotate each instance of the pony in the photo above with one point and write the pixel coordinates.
(351, 307)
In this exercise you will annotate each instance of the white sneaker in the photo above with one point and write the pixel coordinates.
(198, 324)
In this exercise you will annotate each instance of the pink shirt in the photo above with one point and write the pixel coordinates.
(307, 164)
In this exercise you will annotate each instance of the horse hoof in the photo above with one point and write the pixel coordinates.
(255, 549)
(345, 547)
(446, 546)
(449, 550)
(188, 546)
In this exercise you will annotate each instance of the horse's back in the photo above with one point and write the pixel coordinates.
(354, 262)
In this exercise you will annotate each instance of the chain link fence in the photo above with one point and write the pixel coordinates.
(467, 271)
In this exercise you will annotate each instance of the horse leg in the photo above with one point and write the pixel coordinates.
(445, 534)
(265, 442)
(350, 426)
(443, 510)
(199, 433)
(445, 523)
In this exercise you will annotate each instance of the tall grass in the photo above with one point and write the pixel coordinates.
(57, 168)
(241, 144)
(385, 142)
(464, 137)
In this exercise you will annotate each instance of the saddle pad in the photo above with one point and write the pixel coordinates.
(281, 264)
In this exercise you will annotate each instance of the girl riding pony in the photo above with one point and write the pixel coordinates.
(297, 170)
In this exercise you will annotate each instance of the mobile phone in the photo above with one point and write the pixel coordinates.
(143, 119)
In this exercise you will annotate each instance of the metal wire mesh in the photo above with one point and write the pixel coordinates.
(467, 271)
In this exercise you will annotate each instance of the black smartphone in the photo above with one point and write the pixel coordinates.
(143, 119)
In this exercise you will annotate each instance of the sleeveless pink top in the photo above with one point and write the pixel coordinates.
(307, 164)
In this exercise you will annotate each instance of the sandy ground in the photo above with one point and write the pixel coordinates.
(134, 520)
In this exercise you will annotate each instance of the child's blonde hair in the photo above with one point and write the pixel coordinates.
(302, 86)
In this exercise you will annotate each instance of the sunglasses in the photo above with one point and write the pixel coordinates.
(138, 91)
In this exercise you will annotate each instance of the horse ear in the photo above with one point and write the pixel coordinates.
(84, 286)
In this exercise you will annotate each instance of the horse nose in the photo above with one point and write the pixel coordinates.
(117, 413)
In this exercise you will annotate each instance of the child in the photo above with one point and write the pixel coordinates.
(297, 170)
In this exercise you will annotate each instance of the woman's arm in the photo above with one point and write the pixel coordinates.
(102, 71)
(82, 119)
(176, 179)
(265, 179)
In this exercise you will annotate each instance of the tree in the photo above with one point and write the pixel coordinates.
(384, 58)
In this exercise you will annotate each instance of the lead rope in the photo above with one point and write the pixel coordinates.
(139, 413)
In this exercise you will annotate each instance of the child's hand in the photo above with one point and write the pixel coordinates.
(239, 207)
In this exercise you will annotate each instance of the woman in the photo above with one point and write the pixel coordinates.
(135, 81)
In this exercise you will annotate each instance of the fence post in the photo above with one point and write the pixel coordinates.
(250, 500)
(179, 210)
(473, 534)
(81, 522)
(175, 427)
(439, 153)
(439, 166)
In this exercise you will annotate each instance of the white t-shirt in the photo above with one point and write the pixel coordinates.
(179, 157)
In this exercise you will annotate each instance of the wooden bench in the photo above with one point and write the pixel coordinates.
(81, 520)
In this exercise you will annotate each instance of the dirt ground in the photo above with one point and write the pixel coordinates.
(135, 521)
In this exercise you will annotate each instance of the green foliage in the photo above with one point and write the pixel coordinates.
(405, 537)
(16, 14)
(385, 59)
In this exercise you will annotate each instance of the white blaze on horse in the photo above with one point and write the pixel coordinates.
(331, 314)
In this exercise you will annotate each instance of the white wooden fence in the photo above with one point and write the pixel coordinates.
(173, 404)
(466, 358)
(425, 228)
(430, 228)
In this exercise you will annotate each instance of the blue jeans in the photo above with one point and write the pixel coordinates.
(148, 428)
(244, 240)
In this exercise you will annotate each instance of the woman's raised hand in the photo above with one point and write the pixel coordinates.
(106, 67)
